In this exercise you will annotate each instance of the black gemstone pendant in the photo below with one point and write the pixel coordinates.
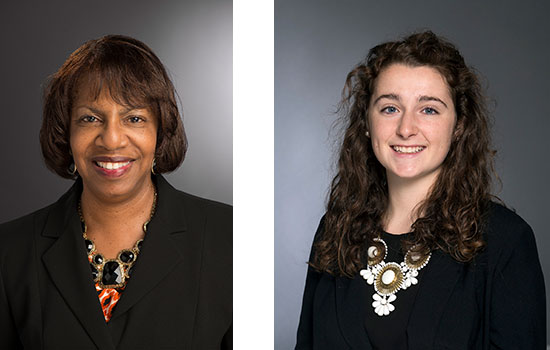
(126, 256)
(89, 245)
(98, 259)
(112, 273)
(139, 244)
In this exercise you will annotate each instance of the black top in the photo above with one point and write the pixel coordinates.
(390, 332)
(497, 301)
(179, 296)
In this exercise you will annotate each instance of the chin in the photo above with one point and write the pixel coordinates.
(111, 188)
(414, 174)
(405, 174)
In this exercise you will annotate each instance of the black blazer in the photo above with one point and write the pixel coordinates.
(496, 302)
(179, 296)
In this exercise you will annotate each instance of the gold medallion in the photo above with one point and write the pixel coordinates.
(416, 261)
(376, 252)
(389, 280)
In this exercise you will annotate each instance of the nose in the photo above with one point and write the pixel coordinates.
(112, 136)
(407, 125)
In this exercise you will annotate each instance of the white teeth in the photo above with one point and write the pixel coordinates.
(402, 149)
(111, 166)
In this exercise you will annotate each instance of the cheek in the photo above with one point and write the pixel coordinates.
(77, 143)
(149, 143)
(380, 132)
(443, 135)
(378, 148)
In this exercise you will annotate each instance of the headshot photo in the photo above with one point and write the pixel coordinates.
(116, 227)
(409, 175)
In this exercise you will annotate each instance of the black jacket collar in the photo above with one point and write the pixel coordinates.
(66, 259)
(65, 209)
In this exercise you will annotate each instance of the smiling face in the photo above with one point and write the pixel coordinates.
(411, 121)
(113, 145)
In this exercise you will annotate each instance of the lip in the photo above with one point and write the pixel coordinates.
(407, 155)
(399, 145)
(112, 173)
(115, 159)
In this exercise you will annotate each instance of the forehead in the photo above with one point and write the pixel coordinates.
(407, 81)
(94, 87)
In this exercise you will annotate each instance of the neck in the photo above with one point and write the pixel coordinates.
(404, 197)
(118, 217)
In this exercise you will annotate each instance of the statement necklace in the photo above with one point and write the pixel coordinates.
(389, 278)
(112, 273)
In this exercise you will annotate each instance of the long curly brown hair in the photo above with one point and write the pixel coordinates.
(452, 214)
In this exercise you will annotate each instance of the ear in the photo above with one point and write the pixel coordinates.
(367, 128)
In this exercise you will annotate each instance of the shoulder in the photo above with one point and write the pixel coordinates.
(319, 233)
(21, 229)
(506, 232)
(25, 227)
(210, 223)
(191, 204)
(196, 207)
(504, 225)
(209, 206)
(210, 219)
(18, 236)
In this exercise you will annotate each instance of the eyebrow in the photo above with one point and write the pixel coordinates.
(421, 98)
(432, 98)
(388, 96)
(120, 111)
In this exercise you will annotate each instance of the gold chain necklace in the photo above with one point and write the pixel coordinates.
(112, 273)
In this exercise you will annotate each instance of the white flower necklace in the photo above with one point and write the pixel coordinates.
(389, 278)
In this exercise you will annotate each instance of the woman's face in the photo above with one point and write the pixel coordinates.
(411, 121)
(113, 146)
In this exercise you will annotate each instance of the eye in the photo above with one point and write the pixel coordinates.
(389, 110)
(430, 111)
(134, 119)
(89, 119)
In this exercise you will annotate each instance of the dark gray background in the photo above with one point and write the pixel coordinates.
(193, 38)
(317, 42)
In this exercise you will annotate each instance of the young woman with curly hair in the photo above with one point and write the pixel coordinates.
(413, 252)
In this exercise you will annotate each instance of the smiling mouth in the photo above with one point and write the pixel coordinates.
(408, 150)
(112, 165)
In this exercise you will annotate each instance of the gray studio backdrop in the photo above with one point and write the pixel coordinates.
(317, 42)
(193, 38)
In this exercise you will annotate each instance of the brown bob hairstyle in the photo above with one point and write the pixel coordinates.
(451, 217)
(134, 77)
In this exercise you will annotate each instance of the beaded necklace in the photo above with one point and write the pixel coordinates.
(112, 273)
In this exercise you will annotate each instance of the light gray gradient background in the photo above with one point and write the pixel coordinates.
(317, 42)
(193, 38)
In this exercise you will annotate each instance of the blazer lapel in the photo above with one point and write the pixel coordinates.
(436, 286)
(171, 240)
(66, 261)
(351, 306)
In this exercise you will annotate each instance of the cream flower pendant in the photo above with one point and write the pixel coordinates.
(389, 278)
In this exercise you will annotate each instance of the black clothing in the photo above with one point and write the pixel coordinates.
(179, 295)
(495, 302)
(390, 332)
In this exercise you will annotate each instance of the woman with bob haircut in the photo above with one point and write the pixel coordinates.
(122, 260)
(413, 251)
